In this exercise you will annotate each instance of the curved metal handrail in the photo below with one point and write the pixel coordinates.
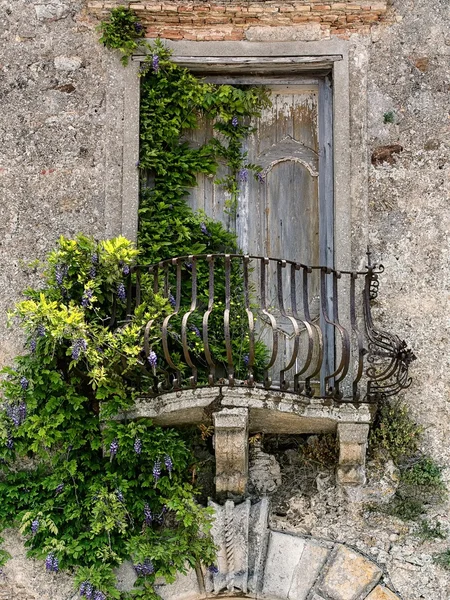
(250, 318)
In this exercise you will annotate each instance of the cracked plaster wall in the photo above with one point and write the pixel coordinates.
(60, 173)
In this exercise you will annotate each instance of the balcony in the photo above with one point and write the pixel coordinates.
(257, 322)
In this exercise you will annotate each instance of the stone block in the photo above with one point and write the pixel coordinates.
(51, 11)
(382, 593)
(283, 555)
(311, 562)
(184, 587)
(353, 433)
(307, 32)
(231, 446)
(349, 576)
(258, 538)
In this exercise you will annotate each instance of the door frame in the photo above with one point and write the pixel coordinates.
(328, 58)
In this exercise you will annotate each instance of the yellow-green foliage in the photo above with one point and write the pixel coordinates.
(395, 432)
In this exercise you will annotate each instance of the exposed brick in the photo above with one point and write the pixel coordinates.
(302, 9)
(217, 8)
(165, 19)
(236, 36)
(201, 8)
(153, 7)
(379, 6)
(217, 20)
(330, 18)
(185, 8)
(172, 34)
(95, 5)
(338, 6)
(322, 7)
(298, 19)
(169, 7)
(287, 8)
(353, 18)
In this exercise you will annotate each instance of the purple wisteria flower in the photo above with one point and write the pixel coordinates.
(172, 301)
(137, 446)
(59, 489)
(92, 272)
(121, 292)
(138, 27)
(94, 258)
(22, 412)
(35, 526)
(10, 442)
(235, 121)
(12, 410)
(86, 299)
(261, 177)
(143, 569)
(243, 175)
(87, 590)
(196, 330)
(246, 358)
(126, 270)
(98, 595)
(204, 229)
(155, 63)
(119, 495)
(113, 447)
(79, 345)
(33, 345)
(24, 383)
(157, 470)
(152, 359)
(213, 569)
(148, 514)
(52, 563)
(169, 464)
(40, 330)
(61, 273)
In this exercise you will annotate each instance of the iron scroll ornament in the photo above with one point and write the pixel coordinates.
(388, 356)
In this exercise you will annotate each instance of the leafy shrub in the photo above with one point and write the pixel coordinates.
(395, 432)
(97, 490)
(443, 559)
(428, 531)
(122, 31)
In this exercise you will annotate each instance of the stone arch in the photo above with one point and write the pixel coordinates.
(255, 561)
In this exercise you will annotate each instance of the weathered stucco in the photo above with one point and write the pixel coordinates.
(61, 170)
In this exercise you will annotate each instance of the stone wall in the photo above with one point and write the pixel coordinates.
(61, 162)
(61, 140)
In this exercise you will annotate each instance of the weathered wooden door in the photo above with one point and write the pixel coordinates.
(278, 214)
(285, 213)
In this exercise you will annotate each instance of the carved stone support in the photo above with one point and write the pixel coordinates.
(352, 438)
(231, 446)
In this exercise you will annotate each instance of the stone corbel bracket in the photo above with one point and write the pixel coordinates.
(257, 562)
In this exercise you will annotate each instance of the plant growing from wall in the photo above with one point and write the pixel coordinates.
(395, 435)
(90, 491)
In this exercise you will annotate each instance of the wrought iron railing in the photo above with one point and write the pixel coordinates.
(240, 320)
